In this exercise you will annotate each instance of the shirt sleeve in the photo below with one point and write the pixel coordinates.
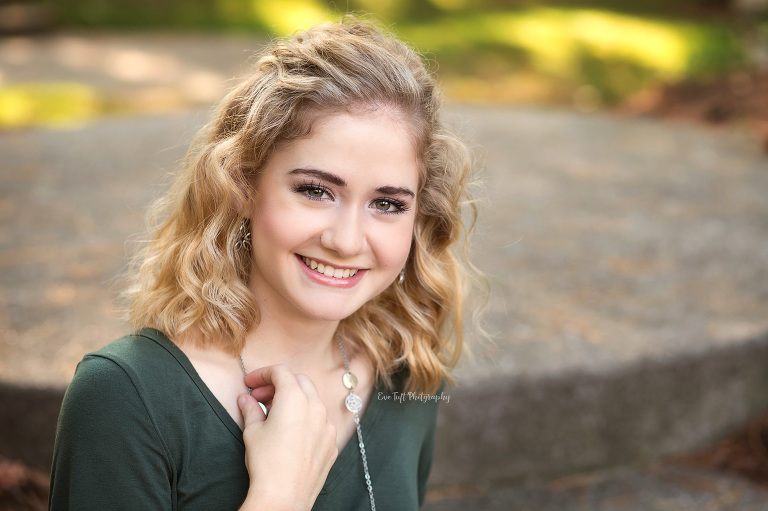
(108, 453)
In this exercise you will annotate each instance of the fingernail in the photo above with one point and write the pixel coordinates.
(241, 402)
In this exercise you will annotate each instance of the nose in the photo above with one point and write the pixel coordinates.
(346, 233)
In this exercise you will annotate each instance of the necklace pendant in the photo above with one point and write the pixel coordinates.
(353, 403)
(349, 380)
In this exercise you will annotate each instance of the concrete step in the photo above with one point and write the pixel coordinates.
(659, 487)
(627, 258)
(629, 267)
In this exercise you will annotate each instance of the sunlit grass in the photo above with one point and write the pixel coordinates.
(49, 104)
(613, 53)
(286, 16)
(543, 54)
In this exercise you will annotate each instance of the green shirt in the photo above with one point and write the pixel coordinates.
(140, 430)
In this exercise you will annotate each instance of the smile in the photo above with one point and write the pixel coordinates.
(328, 270)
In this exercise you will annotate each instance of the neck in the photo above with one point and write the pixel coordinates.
(307, 346)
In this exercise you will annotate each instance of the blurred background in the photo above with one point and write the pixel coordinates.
(705, 58)
(622, 145)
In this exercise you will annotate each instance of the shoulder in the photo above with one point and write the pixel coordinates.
(127, 368)
(109, 451)
(144, 354)
(142, 347)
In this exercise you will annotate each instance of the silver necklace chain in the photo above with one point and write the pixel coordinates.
(354, 404)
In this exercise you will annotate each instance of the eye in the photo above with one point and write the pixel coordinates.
(316, 193)
(313, 191)
(390, 206)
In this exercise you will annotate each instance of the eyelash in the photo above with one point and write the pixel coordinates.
(305, 188)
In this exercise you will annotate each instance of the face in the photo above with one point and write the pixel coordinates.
(333, 217)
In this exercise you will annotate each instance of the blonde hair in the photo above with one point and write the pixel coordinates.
(191, 280)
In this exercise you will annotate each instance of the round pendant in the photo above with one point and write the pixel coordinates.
(349, 380)
(353, 402)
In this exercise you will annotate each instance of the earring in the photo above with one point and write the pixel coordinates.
(244, 238)
(401, 278)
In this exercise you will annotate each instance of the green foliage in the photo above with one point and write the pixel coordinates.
(583, 51)
(50, 104)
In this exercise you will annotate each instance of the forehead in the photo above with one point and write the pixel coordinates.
(362, 146)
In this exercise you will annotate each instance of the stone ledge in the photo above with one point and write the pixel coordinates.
(522, 429)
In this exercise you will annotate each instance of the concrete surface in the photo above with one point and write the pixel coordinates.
(653, 488)
(628, 262)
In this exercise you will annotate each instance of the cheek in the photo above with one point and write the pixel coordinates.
(393, 246)
(278, 227)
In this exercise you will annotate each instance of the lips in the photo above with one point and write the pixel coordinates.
(347, 277)
(328, 270)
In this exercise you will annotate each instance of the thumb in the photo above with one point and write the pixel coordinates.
(251, 410)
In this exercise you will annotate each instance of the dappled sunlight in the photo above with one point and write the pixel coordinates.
(614, 54)
(138, 66)
(584, 57)
(77, 53)
(286, 16)
(556, 38)
(78, 78)
(50, 104)
(650, 43)
(517, 88)
(386, 9)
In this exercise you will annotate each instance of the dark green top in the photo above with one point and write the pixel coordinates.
(140, 430)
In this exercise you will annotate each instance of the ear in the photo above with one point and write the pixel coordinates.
(243, 198)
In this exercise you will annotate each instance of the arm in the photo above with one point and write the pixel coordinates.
(108, 454)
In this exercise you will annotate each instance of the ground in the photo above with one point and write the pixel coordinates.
(740, 101)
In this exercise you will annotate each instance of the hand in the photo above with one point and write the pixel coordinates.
(289, 453)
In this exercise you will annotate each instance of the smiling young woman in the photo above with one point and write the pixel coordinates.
(315, 237)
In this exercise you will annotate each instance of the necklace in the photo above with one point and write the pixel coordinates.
(353, 403)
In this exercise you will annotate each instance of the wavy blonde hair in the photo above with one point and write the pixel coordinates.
(191, 281)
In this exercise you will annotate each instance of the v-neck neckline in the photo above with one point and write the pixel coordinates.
(347, 456)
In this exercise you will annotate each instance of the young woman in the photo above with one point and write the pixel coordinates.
(311, 238)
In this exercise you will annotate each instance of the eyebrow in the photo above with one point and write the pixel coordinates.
(326, 176)
(336, 180)
(395, 190)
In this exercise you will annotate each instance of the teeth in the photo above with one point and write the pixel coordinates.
(328, 271)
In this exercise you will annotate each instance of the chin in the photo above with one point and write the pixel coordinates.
(331, 314)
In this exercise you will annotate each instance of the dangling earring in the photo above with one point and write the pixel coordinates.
(244, 238)
(401, 278)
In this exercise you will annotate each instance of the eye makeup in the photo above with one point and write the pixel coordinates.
(315, 190)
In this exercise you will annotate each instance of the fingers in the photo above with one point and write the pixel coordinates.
(252, 412)
(307, 386)
(264, 394)
(277, 375)
(295, 446)
(268, 382)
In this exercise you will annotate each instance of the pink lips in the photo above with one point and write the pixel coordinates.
(331, 281)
